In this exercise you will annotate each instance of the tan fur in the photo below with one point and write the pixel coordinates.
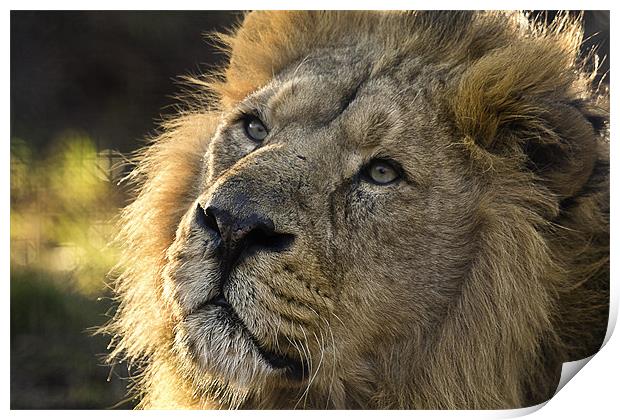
(465, 286)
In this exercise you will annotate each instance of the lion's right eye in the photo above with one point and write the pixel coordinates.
(255, 129)
(381, 172)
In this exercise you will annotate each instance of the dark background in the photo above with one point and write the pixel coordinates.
(108, 73)
(85, 85)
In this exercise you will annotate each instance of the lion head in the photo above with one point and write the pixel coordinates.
(374, 210)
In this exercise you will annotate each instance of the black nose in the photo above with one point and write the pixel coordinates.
(241, 232)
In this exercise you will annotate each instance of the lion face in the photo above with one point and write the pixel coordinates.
(329, 217)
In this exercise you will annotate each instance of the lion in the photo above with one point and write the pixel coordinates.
(378, 210)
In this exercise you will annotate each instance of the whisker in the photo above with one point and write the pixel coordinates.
(333, 375)
(306, 351)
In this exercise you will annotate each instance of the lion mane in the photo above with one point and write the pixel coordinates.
(523, 109)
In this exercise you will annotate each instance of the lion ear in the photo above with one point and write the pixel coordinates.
(529, 103)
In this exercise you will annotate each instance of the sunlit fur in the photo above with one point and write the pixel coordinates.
(466, 286)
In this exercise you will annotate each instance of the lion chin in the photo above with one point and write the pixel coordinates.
(375, 210)
(225, 347)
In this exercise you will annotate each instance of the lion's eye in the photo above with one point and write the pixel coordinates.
(255, 129)
(381, 172)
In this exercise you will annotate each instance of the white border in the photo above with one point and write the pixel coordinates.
(315, 4)
(593, 394)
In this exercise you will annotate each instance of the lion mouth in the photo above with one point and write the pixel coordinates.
(294, 369)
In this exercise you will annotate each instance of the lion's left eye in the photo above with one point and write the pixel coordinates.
(381, 172)
(255, 129)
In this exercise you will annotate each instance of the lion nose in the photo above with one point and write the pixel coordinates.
(241, 232)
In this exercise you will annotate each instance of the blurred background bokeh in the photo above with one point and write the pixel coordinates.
(86, 88)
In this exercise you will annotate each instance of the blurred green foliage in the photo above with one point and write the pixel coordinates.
(63, 205)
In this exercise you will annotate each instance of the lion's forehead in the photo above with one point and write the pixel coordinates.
(355, 98)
